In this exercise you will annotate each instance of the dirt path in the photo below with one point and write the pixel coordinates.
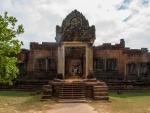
(72, 108)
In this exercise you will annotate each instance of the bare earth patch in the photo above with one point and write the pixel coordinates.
(72, 108)
(101, 106)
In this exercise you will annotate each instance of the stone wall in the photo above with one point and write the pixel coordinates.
(41, 51)
(124, 57)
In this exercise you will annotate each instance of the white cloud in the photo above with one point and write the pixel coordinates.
(40, 18)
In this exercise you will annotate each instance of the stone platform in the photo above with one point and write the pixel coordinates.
(77, 89)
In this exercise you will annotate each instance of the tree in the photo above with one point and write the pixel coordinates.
(10, 46)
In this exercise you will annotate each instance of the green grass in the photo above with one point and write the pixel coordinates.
(127, 102)
(131, 102)
(22, 102)
(27, 102)
(130, 94)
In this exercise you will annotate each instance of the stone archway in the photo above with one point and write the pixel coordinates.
(88, 59)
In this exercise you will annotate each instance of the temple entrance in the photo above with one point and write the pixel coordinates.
(74, 62)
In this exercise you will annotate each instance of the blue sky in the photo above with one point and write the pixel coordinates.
(113, 19)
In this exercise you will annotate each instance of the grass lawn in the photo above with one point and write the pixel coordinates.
(22, 102)
(128, 102)
(27, 102)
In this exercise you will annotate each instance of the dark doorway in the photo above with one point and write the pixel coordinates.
(74, 62)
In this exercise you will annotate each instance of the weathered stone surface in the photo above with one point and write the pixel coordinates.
(75, 27)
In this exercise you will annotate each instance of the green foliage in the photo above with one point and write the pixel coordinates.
(9, 48)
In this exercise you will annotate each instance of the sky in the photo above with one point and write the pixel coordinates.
(113, 19)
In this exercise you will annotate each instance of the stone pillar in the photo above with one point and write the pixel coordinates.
(60, 61)
(63, 61)
(86, 67)
(90, 59)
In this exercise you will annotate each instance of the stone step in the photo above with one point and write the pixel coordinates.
(71, 94)
(71, 97)
(72, 100)
(100, 92)
(78, 86)
(72, 90)
(100, 89)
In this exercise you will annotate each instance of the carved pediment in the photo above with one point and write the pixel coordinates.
(75, 27)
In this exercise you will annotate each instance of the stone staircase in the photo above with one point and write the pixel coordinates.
(100, 92)
(99, 89)
(47, 92)
(72, 91)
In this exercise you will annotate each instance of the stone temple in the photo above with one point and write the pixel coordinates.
(72, 67)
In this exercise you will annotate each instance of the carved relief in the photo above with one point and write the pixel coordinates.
(75, 27)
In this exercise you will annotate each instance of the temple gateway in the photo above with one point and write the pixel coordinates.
(73, 68)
